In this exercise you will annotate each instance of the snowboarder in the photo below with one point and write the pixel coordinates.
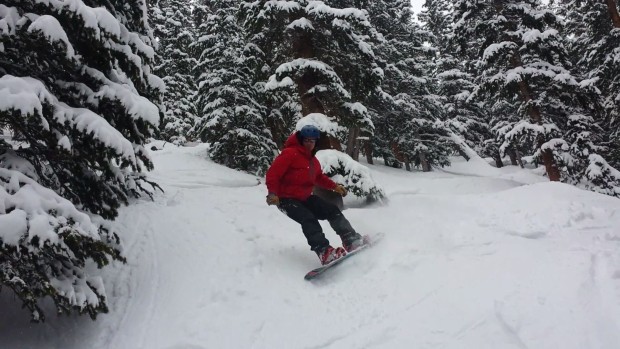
(290, 180)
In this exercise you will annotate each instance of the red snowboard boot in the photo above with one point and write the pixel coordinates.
(330, 254)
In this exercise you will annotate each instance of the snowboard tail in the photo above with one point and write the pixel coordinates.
(314, 273)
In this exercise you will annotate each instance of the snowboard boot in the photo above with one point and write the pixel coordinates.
(353, 241)
(330, 254)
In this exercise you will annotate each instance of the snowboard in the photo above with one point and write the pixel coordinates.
(372, 240)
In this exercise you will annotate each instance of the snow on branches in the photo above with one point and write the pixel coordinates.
(27, 96)
(78, 99)
(356, 177)
(42, 240)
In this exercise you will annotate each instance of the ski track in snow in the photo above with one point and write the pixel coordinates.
(469, 261)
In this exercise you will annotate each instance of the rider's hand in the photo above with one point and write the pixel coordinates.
(273, 199)
(340, 189)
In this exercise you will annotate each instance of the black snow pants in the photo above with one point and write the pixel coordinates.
(307, 213)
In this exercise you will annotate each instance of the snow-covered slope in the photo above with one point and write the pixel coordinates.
(474, 257)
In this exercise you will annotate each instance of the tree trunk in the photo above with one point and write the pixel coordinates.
(613, 13)
(512, 153)
(518, 156)
(368, 151)
(498, 161)
(547, 155)
(462, 152)
(396, 151)
(303, 48)
(276, 134)
(426, 166)
(328, 142)
(353, 149)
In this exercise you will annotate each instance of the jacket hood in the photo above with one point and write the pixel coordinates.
(293, 142)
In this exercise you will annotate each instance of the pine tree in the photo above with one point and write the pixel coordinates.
(525, 65)
(595, 26)
(435, 16)
(407, 111)
(456, 71)
(173, 28)
(232, 115)
(78, 97)
(322, 51)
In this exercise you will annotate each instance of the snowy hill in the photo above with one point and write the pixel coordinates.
(474, 257)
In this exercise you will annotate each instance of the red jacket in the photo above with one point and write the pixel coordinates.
(295, 172)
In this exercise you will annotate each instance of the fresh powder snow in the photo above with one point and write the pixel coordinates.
(474, 257)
